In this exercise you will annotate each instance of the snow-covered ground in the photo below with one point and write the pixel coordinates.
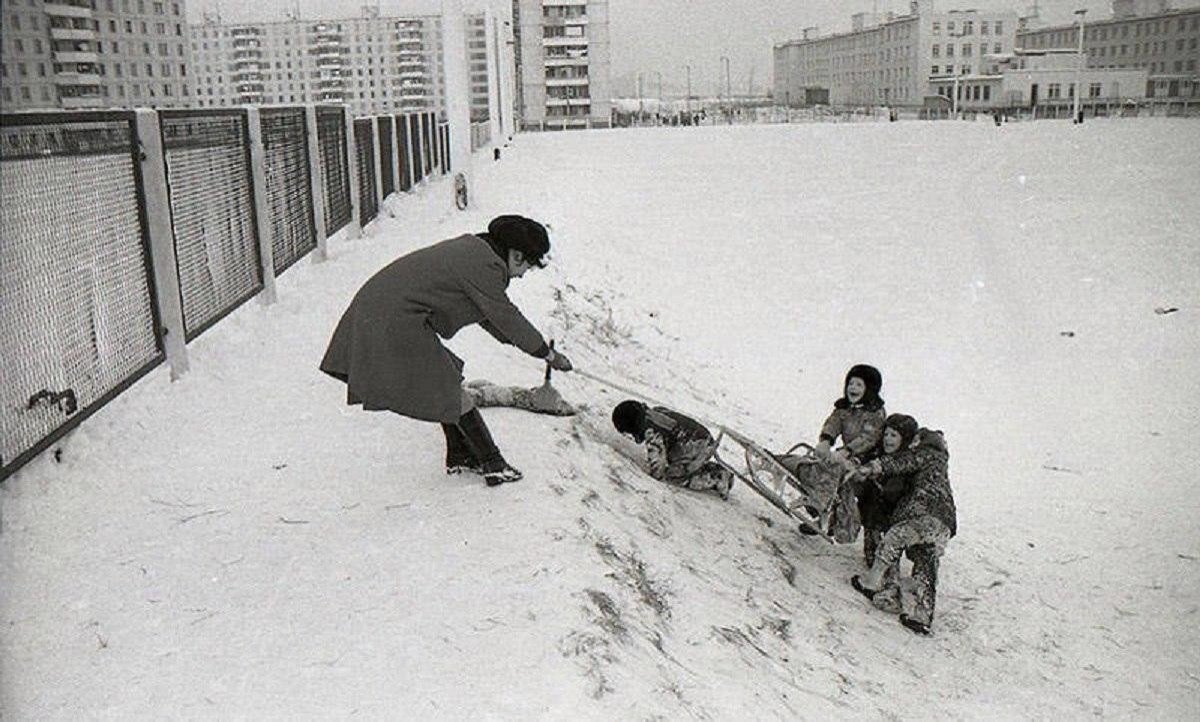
(242, 544)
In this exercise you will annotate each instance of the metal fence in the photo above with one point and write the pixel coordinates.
(404, 153)
(364, 145)
(127, 234)
(335, 175)
(387, 167)
(288, 185)
(414, 137)
(207, 156)
(77, 325)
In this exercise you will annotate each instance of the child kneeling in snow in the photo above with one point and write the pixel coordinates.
(679, 449)
(877, 499)
(923, 521)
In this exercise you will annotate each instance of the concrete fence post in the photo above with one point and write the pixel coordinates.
(317, 183)
(162, 241)
(354, 230)
(378, 152)
(258, 172)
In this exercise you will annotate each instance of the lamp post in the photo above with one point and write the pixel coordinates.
(658, 112)
(688, 100)
(728, 90)
(1075, 118)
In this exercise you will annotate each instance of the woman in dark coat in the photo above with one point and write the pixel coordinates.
(386, 347)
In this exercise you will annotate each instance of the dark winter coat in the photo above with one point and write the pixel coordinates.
(877, 498)
(929, 493)
(676, 445)
(386, 346)
(860, 426)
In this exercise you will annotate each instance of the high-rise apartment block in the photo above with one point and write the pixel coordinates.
(94, 54)
(562, 58)
(373, 64)
(888, 59)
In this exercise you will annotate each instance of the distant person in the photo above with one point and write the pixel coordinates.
(924, 521)
(877, 499)
(386, 347)
(679, 449)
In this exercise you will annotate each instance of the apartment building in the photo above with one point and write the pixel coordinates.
(373, 64)
(562, 58)
(1141, 34)
(888, 59)
(93, 54)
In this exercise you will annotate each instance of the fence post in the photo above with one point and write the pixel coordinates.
(378, 152)
(162, 241)
(258, 172)
(317, 183)
(355, 228)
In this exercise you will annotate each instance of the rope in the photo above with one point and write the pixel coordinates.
(643, 396)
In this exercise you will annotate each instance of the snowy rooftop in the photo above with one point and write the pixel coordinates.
(242, 544)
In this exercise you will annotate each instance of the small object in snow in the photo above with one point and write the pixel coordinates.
(858, 587)
(1164, 311)
(278, 467)
(1067, 334)
(58, 456)
(917, 627)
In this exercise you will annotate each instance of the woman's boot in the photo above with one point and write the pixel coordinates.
(492, 465)
(459, 458)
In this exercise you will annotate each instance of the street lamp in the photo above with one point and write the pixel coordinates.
(688, 100)
(728, 90)
(658, 114)
(1075, 117)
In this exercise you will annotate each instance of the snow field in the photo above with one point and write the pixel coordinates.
(241, 544)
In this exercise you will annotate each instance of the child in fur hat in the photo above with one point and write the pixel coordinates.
(679, 449)
(923, 522)
(877, 499)
(857, 417)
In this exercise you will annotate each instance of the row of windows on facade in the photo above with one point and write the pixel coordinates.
(84, 46)
(1063, 38)
(404, 25)
(1156, 48)
(128, 6)
(94, 91)
(561, 12)
(93, 69)
(994, 27)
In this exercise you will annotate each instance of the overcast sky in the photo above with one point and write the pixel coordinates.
(663, 36)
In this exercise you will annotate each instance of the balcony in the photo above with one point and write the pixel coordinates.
(560, 82)
(76, 56)
(247, 54)
(564, 61)
(245, 32)
(245, 76)
(565, 102)
(76, 77)
(68, 8)
(564, 42)
(72, 34)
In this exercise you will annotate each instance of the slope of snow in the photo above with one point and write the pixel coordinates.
(242, 544)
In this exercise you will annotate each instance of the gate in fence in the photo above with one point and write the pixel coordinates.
(77, 325)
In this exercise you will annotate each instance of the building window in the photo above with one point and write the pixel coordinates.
(996, 48)
(999, 27)
(1094, 90)
(1054, 90)
(949, 50)
(966, 49)
(983, 27)
(937, 28)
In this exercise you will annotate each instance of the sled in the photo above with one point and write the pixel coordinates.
(762, 472)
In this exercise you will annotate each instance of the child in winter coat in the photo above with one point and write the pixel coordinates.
(923, 521)
(679, 449)
(857, 417)
(877, 499)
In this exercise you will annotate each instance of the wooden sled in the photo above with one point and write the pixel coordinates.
(771, 480)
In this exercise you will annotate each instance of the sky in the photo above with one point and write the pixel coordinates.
(661, 37)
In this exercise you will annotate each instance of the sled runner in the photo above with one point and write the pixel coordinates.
(771, 480)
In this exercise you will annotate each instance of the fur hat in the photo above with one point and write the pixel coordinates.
(871, 378)
(518, 233)
(629, 417)
(904, 425)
